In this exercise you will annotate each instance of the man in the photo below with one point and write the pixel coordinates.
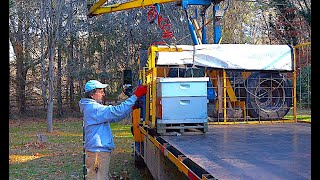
(97, 117)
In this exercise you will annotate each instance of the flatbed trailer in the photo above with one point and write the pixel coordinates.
(230, 123)
(261, 151)
(225, 146)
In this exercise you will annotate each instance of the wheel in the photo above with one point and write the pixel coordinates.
(268, 96)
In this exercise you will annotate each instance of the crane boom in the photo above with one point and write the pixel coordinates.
(98, 8)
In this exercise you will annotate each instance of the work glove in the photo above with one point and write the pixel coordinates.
(127, 90)
(141, 90)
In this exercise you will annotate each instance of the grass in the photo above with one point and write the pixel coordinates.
(303, 115)
(61, 156)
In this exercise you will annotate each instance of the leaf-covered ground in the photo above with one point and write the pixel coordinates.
(36, 154)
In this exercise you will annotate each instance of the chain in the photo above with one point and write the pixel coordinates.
(162, 22)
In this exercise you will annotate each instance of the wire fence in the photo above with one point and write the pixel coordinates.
(303, 71)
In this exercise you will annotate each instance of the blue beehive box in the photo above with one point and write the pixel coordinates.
(182, 100)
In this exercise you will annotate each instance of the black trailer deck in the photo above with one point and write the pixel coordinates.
(250, 151)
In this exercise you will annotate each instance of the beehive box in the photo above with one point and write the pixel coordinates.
(182, 100)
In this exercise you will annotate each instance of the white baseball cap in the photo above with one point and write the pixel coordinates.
(94, 84)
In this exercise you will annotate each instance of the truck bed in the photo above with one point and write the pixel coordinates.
(250, 151)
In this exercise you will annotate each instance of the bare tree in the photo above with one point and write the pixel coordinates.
(53, 32)
(17, 38)
(59, 76)
(43, 74)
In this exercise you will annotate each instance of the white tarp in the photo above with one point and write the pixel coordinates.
(231, 56)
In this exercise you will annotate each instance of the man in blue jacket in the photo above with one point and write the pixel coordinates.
(97, 117)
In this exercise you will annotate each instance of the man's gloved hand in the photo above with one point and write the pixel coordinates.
(141, 90)
(127, 90)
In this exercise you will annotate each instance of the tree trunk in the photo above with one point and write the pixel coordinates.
(21, 85)
(59, 89)
(81, 62)
(20, 73)
(51, 89)
(70, 77)
(53, 37)
(43, 65)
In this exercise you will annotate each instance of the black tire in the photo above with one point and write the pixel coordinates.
(269, 95)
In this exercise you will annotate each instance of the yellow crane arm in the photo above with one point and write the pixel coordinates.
(98, 8)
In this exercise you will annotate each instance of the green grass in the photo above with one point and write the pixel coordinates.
(303, 115)
(61, 157)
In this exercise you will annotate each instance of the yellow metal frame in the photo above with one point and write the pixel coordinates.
(135, 123)
(226, 90)
(138, 137)
(216, 76)
(150, 78)
(98, 8)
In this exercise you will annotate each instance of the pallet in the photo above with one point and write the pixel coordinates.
(179, 128)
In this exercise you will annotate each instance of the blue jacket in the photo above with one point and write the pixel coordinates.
(97, 118)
